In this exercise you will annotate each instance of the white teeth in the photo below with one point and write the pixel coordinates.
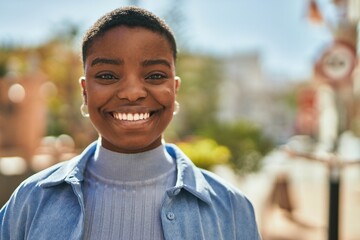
(131, 116)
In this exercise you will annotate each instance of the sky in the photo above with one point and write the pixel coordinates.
(277, 29)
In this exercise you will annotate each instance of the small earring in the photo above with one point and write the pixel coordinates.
(176, 108)
(84, 110)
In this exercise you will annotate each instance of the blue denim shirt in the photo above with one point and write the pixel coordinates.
(50, 205)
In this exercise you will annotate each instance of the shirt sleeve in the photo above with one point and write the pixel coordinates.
(13, 216)
(244, 218)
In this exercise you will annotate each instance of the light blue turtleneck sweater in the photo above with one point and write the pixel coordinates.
(124, 193)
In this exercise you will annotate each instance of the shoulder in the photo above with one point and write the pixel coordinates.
(225, 190)
(16, 214)
(220, 199)
(36, 200)
(35, 179)
(39, 196)
(195, 176)
(219, 183)
(232, 203)
(31, 186)
(52, 176)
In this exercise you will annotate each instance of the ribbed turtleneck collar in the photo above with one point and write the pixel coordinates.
(115, 166)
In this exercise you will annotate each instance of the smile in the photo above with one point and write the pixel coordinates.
(131, 116)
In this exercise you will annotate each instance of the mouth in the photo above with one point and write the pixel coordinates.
(132, 116)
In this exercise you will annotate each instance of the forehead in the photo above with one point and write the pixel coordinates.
(138, 40)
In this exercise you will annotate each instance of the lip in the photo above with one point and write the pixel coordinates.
(127, 109)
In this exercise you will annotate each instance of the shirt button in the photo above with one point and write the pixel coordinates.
(71, 178)
(176, 191)
(170, 216)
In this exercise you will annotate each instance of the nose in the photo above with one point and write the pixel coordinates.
(132, 89)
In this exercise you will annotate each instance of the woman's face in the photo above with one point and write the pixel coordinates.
(130, 88)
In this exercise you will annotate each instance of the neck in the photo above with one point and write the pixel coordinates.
(130, 167)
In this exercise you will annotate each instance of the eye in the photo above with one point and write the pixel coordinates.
(156, 76)
(106, 76)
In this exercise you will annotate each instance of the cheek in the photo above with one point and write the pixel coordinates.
(96, 97)
(166, 97)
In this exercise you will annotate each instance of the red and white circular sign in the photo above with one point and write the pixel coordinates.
(337, 63)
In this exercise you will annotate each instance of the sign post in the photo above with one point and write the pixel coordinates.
(335, 68)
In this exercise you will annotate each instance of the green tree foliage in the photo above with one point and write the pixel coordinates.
(246, 142)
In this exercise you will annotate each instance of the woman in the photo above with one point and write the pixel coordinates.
(129, 184)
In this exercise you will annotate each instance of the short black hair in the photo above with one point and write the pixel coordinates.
(129, 16)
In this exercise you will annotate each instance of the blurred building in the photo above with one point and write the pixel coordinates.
(22, 111)
(247, 93)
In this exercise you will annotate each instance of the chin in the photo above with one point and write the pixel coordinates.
(130, 146)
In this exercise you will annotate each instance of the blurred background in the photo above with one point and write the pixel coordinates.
(269, 100)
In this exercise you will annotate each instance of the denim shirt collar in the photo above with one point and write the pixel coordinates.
(72, 171)
(189, 177)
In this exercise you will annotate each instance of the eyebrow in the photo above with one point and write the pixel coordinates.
(145, 63)
(150, 62)
(107, 61)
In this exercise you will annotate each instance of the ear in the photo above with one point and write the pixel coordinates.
(177, 83)
(82, 82)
